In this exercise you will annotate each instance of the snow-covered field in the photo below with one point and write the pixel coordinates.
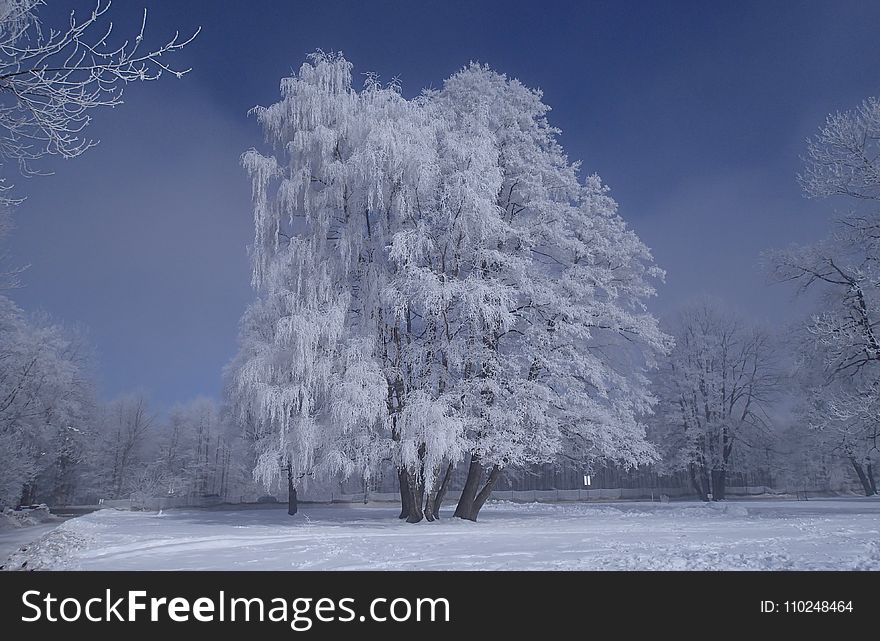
(832, 534)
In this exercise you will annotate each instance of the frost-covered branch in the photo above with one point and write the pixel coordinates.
(52, 78)
(844, 158)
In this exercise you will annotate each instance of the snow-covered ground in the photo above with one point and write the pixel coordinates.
(11, 540)
(21, 527)
(833, 534)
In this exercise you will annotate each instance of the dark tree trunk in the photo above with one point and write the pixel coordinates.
(437, 499)
(469, 492)
(494, 475)
(869, 472)
(429, 509)
(705, 482)
(866, 484)
(430, 497)
(27, 494)
(61, 489)
(471, 501)
(719, 479)
(429, 501)
(699, 488)
(415, 498)
(403, 483)
(291, 493)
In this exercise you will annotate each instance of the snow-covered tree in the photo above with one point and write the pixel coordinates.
(843, 161)
(308, 376)
(125, 429)
(196, 448)
(435, 281)
(715, 390)
(46, 404)
(553, 336)
(51, 78)
(845, 414)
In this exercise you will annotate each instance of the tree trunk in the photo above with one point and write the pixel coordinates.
(415, 498)
(866, 484)
(27, 494)
(437, 499)
(22, 496)
(705, 482)
(719, 479)
(469, 492)
(471, 501)
(429, 501)
(869, 472)
(429, 509)
(60, 490)
(699, 488)
(494, 475)
(403, 483)
(291, 493)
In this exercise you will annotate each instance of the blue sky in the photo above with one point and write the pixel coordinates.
(694, 113)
